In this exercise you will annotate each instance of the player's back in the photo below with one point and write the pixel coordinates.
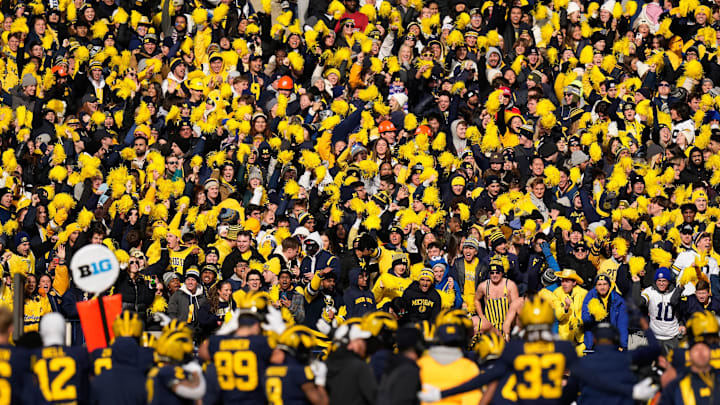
(240, 364)
(448, 375)
(160, 382)
(538, 368)
(124, 381)
(61, 373)
(132, 355)
(283, 383)
(14, 376)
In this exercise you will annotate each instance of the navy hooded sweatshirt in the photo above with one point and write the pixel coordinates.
(358, 300)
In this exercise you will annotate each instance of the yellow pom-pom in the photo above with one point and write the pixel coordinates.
(620, 245)
(439, 143)
(493, 102)
(455, 38)
(552, 176)
(9, 161)
(595, 152)
(285, 156)
(563, 223)
(296, 61)
(58, 173)
(368, 94)
(410, 122)
(586, 55)
(357, 205)
(491, 140)
(694, 69)
(85, 218)
(340, 107)
(464, 211)
(330, 122)
(282, 103)
(291, 189)
(597, 310)
(636, 264)
(431, 196)
(661, 257)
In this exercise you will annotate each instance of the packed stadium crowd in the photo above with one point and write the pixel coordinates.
(362, 201)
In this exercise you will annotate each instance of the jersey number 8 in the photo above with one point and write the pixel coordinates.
(273, 391)
(236, 370)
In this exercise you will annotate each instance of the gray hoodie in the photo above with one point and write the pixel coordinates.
(180, 302)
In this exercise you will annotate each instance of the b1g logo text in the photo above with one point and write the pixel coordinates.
(95, 268)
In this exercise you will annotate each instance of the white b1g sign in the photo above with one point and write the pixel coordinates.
(95, 268)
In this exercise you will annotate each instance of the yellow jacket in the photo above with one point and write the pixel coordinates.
(35, 308)
(177, 258)
(609, 267)
(386, 258)
(449, 376)
(6, 297)
(570, 321)
(389, 286)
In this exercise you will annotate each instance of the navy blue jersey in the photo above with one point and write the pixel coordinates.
(101, 359)
(538, 369)
(240, 364)
(212, 390)
(283, 384)
(534, 372)
(15, 381)
(160, 384)
(62, 373)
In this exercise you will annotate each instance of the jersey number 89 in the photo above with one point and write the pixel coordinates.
(236, 370)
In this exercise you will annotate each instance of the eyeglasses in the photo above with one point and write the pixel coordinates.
(495, 272)
(349, 26)
(172, 162)
(134, 262)
(664, 85)
(580, 250)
